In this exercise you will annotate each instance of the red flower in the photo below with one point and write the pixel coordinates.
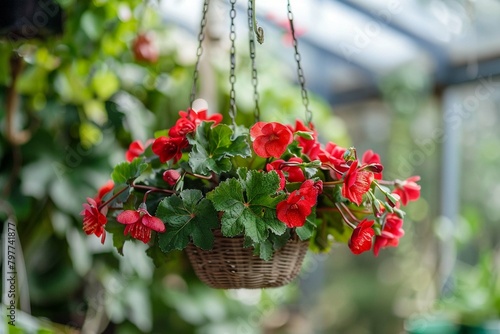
(370, 157)
(362, 237)
(93, 220)
(356, 183)
(171, 176)
(169, 148)
(334, 155)
(136, 148)
(182, 127)
(103, 191)
(145, 49)
(391, 233)
(408, 190)
(310, 147)
(291, 173)
(294, 210)
(199, 116)
(270, 139)
(140, 223)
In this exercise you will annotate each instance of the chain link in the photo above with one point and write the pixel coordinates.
(232, 55)
(255, 81)
(199, 51)
(300, 71)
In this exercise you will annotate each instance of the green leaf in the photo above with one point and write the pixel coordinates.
(228, 197)
(248, 205)
(305, 232)
(188, 216)
(127, 171)
(118, 237)
(305, 134)
(264, 250)
(214, 146)
(280, 240)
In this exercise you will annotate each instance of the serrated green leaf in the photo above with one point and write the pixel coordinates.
(305, 232)
(127, 171)
(242, 172)
(273, 223)
(264, 250)
(212, 148)
(280, 240)
(248, 205)
(188, 216)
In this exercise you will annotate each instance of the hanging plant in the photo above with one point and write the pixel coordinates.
(246, 203)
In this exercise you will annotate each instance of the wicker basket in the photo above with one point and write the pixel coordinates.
(230, 266)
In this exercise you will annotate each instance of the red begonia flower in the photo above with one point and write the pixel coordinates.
(291, 173)
(310, 147)
(140, 223)
(171, 176)
(362, 237)
(199, 116)
(356, 183)
(103, 191)
(182, 127)
(270, 139)
(169, 148)
(334, 155)
(408, 190)
(136, 148)
(294, 210)
(370, 157)
(391, 233)
(93, 220)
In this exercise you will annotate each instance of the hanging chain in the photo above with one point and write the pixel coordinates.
(199, 51)
(232, 75)
(251, 21)
(300, 71)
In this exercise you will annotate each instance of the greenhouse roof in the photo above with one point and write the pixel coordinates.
(358, 42)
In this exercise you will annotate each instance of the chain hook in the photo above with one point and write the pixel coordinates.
(199, 51)
(300, 71)
(251, 26)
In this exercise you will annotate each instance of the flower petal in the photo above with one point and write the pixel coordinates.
(153, 223)
(128, 217)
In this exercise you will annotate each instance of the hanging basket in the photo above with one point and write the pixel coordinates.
(231, 266)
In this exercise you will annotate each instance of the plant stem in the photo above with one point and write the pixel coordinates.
(329, 165)
(351, 225)
(201, 176)
(149, 188)
(349, 212)
(112, 198)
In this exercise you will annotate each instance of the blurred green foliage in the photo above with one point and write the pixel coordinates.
(82, 99)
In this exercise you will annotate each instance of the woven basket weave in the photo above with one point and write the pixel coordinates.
(230, 266)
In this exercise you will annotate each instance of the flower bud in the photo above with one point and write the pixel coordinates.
(171, 176)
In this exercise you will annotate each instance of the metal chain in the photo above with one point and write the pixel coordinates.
(199, 51)
(232, 75)
(251, 18)
(300, 71)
